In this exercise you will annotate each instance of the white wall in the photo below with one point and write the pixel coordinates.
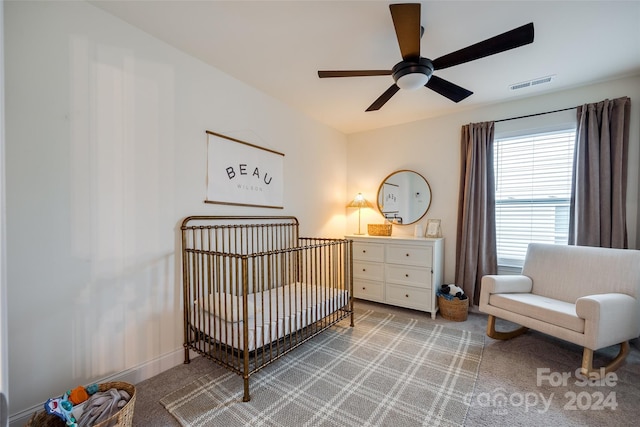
(106, 153)
(432, 148)
(4, 355)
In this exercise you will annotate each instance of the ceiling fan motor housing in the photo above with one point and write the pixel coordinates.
(412, 74)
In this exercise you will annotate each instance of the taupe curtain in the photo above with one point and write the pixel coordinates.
(476, 253)
(599, 184)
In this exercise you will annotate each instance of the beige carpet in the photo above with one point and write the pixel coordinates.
(387, 370)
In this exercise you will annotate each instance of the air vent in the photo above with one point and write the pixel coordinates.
(520, 85)
(534, 82)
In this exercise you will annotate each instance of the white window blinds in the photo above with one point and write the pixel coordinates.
(533, 189)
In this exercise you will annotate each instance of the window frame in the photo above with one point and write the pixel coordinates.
(548, 123)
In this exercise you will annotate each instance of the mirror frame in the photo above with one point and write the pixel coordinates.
(397, 172)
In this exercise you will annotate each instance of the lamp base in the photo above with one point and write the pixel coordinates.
(359, 234)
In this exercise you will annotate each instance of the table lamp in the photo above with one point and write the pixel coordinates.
(359, 202)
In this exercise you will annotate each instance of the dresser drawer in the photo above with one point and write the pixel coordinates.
(368, 251)
(408, 296)
(368, 290)
(368, 270)
(408, 275)
(410, 255)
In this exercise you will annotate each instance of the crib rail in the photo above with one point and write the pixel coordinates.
(254, 290)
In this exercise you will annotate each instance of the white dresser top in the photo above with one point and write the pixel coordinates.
(394, 238)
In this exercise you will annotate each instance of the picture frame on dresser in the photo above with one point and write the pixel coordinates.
(433, 228)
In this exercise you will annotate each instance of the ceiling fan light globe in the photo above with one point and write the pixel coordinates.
(412, 74)
(412, 81)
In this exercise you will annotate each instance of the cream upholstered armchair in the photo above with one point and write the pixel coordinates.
(585, 295)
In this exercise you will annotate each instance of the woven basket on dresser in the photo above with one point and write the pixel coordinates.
(454, 309)
(122, 418)
(379, 229)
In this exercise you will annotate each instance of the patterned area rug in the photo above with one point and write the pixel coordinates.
(383, 371)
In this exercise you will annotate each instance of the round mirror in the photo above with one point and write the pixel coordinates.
(404, 197)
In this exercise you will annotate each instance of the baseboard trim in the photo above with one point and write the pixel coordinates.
(133, 376)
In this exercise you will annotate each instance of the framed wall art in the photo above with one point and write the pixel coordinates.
(243, 174)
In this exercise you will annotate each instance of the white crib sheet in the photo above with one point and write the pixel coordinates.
(272, 314)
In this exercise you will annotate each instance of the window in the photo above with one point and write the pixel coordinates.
(533, 190)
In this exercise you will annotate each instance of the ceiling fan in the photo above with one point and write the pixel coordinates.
(415, 71)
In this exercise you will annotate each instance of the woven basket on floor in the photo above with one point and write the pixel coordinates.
(122, 418)
(455, 309)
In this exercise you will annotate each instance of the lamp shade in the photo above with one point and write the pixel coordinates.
(359, 202)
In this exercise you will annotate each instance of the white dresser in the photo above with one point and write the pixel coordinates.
(403, 271)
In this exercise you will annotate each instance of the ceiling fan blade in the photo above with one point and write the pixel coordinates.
(406, 20)
(361, 73)
(378, 103)
(511, 39)
(448, 89)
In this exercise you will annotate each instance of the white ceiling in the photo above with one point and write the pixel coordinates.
(278, 47)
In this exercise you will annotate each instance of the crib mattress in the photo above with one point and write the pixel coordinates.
(272, 314)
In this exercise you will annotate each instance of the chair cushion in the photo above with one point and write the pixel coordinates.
(545, 309)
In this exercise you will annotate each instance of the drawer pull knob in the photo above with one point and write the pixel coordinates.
(363, 288)
(364, 251)
(406, 295)
(364, 269)
(407, 254)
(406, 275)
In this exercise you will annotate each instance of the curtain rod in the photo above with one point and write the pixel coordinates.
(536, 114)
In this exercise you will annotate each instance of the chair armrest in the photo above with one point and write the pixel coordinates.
(506, 284)
(503, 284)
(609, 318)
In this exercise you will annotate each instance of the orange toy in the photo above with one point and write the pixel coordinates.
(78, 395)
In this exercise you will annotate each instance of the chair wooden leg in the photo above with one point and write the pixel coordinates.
(587, 362)
(491, 330)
